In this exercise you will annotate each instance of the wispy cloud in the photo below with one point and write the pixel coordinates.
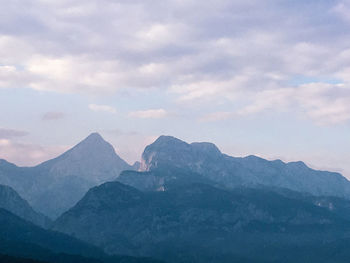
(11, 133)
(28, 154)
(53, 115)
(102, 108)
(149, 114)
(324, 103)
(218, 51)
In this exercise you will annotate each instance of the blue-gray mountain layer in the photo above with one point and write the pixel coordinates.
(20, 238)
(56, 185)
(11, 201)
(205, 161)
(201, 223)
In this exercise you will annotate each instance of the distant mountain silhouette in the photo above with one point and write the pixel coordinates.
(183, 203)
(200, 223)
(22, 239)
(56, 185)
(11, 201)
(205, 159)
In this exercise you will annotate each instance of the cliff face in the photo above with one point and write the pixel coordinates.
(206, 159)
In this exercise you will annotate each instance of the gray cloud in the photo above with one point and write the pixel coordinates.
(221, 51)
(53, 115)
(11, 133)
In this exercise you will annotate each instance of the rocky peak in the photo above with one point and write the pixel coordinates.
(206, 147)
(94, 143)
(170, 150)
(93, 159)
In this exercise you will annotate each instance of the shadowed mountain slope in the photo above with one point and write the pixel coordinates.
(56, 185)
(19, 238)
(11, 201)
(200, 223)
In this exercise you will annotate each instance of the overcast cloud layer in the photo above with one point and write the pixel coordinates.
(228, 59)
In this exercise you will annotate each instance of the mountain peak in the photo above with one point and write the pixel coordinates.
(168, 140)
(92, 158)
(170, 150)
(206, 147)
(93, 138)
(95, 135)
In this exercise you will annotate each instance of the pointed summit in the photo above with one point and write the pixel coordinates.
(95, 136)
(66, 178)
(92, 159)
(168, 139)
(92, 145)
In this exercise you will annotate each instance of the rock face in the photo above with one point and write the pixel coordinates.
(11, 201)
(56, 185)
(200, 223)
(205, 159)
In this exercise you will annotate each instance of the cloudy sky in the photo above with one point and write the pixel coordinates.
(270, 78)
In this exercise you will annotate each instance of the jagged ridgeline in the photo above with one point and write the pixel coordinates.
(182, 203)
(170, 160)
(56, 185)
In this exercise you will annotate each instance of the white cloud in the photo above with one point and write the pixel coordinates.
(223, 51)
(149, 114)
(277, 99)
(218, 116)
(25, 154)
(4, 142)
(103, 108)
(324, 103)
(342, 8)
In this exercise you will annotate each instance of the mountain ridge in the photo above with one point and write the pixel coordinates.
(207, 160)
(201, 223)
(55, 185)
(13, 202)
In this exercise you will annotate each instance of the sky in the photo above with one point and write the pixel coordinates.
(269, 78)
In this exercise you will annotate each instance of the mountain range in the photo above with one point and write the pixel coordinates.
(205, 161)
(182, 203)
(201, 223)
(56, 185)
(11, 201)
(22, 239)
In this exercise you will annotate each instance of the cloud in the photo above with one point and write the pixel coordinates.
(218, 51)
(324, 103)
(102, 108)
(26, 154)
(53, 115)
(342, 8)
(218, 116)
(11, 133)
(149, 114)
